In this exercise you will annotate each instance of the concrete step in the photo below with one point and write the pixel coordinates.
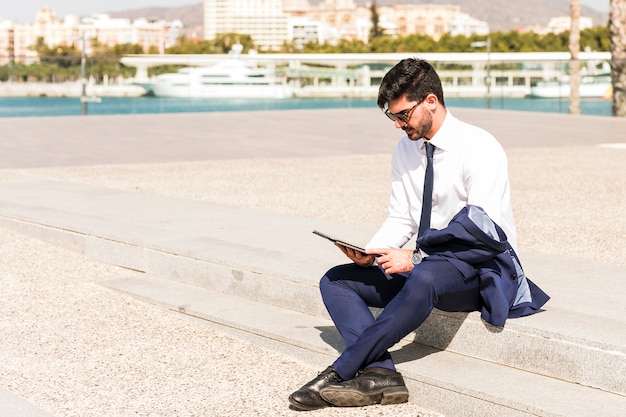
(274, 259)
(12, 405)
(442, 381)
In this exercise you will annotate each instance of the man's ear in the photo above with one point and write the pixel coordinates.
(431, 102)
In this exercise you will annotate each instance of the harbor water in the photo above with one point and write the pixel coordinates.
(69, 106)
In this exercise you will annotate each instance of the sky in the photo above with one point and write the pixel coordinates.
(24, 10)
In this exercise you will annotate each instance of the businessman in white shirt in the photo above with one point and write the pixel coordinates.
(470, 168)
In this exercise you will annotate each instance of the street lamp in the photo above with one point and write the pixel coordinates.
(482, 44)
(83, 77)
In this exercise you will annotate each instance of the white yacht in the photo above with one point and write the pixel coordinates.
(591, 86)
(231, 78)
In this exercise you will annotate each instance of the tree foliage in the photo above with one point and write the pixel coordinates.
(222, 44)
(62, 55)
(594, 39)
(62, 63)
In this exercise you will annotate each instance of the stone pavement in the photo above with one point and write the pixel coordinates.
(236, 250)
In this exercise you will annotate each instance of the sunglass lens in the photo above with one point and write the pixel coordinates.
(402, 116)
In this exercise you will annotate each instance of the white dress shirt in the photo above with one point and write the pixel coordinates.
(470, 167)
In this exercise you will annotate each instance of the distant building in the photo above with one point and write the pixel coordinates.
(354, 22)
(265, 21)
(17, 40)
(270, 23)
(302, 30)
(342, 15)
(149, 34)
(564, 23)
(425, 19)
(466, 25)
(560, 24)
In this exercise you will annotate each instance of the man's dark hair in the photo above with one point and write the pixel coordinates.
(412, 77)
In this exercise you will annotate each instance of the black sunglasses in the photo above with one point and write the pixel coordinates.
(404, 116)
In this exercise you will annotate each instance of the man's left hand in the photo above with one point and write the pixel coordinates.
(393, 260)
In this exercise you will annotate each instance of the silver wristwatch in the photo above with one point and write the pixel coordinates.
(416, 257)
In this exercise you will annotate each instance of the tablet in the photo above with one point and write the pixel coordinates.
(340, 242)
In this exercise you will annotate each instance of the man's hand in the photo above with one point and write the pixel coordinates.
(358, 257)
(393, 260)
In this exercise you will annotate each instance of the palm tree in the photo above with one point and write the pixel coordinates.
(375, 31)
(617, 30)
(574, 49)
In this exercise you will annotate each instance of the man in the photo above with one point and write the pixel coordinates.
(470, 170)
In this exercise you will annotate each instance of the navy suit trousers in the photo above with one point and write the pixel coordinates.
(348, 291)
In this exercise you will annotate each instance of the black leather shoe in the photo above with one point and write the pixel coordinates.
(308, 397)
(370, 386)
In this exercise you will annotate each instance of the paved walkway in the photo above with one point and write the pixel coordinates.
(74, 348)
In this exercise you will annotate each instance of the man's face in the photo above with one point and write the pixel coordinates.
(411, 116)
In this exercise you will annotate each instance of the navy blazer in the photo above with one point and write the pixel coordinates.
(477, 246)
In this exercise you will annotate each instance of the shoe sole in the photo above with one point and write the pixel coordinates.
(354, 398)
(304, 407)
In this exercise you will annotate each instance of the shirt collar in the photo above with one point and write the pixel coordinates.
(438, 140)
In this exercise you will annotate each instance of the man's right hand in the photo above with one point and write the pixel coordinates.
(358, 257)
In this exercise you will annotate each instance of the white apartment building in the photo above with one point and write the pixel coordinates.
(301, 30)
(560, 24)
(465, 25)
(433, 20)
(564, 23)
(17, 40)
(265, 21)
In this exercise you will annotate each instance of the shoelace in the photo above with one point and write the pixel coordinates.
(332, 376)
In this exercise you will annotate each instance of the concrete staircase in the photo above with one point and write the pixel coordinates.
(254, 274)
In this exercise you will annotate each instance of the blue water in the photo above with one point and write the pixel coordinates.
(63, 106)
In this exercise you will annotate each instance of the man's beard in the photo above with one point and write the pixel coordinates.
(423, 129)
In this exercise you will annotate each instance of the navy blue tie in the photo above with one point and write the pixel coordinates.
(427, 199)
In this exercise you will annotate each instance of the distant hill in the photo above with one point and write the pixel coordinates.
(501, 15)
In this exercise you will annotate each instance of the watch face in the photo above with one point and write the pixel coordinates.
(416, 258)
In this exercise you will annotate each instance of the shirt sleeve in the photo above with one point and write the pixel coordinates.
(398, 228)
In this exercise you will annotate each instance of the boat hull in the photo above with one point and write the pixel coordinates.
(564, 91)
(217, 91)
(227, 79)
(591, 87)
